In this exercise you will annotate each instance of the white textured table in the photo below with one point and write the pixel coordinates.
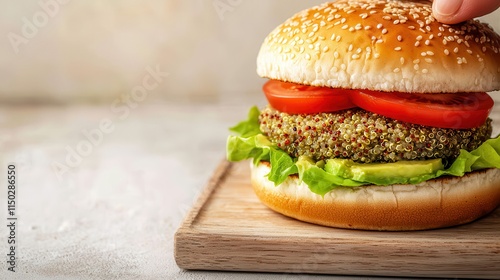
(101, 192)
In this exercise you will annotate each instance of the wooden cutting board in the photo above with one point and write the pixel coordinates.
(229, 229)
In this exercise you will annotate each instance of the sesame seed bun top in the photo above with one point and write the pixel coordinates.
(382, 45)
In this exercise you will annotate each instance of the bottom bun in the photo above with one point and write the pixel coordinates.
(437, 203)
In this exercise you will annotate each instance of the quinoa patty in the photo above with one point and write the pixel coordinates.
(366, 137)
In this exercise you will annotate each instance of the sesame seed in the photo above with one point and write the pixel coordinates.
(379, 26)
(428, 60)
(368, 27)
(355, 56)
(384, 31)
(350, 47)
(336, 54)
(308, 56)
(425, 71)
(400, 38)
(416, 61)
(446, 52)
(455, 50)
(469, 51)
(430, 53)
(338, 38)
(416, 67)
(345, 27)
(423, 53)
(417, 43)
(419, 37)
(427, 42)
(397, 48)
(396, 70)
(377, 55)
(402, 60)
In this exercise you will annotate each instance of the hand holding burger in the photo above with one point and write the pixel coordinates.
(455, 11)
(377, 118)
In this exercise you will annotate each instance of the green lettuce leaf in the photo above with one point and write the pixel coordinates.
(283, 166)
(485, 156)
(320, 181)
(250, 126)
(256, 147)
(250, 143)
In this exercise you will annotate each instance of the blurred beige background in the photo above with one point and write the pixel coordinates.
(61, 51)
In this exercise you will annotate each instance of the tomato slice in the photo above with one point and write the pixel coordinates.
(444, 110)
(295, 98)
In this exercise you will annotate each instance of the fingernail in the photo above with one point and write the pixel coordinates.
(447, 7)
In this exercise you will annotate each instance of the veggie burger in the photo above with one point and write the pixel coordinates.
(377, 118)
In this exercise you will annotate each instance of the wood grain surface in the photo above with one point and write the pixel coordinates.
(229, 229)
